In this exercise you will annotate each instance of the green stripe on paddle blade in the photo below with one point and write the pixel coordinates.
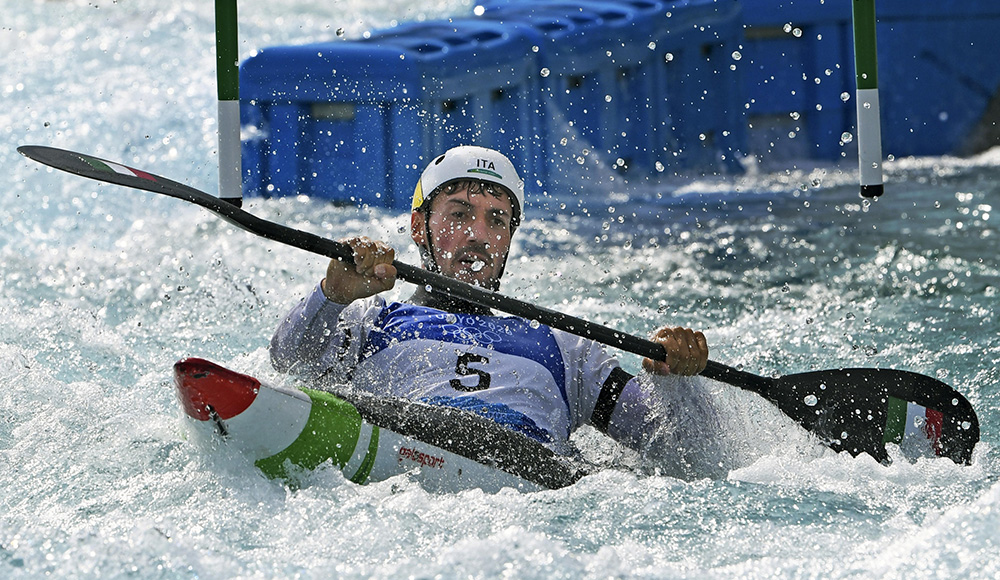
(895, 423)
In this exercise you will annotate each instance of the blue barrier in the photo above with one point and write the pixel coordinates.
(651, 85)
(934, 84)
(355, 122)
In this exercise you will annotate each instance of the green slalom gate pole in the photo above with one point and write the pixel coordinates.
(227, 57)
(869, 118)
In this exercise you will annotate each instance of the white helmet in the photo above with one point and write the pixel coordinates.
(470, 162)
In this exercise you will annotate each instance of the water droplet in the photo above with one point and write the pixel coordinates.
(966, 425)
(340, 32)
(867, 105)
(477, 265)
(846, 137)
(942, 373)
(822, 386)
(843, 434)
(794, 115)
(429, 288)
(534, 324)
(736, 55)
(810, 400)
(954, 402)
(544, 72)
(651, 46)
(451, 318)
(668, 57)
(845, 96)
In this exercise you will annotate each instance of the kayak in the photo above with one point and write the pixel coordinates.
(289, 430)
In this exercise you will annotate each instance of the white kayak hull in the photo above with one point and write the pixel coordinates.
(282, 430)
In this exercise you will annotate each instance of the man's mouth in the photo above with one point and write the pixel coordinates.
(473, 260)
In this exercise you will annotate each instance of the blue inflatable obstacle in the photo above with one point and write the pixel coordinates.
(937, 77)
(355, 122)
(643, 83)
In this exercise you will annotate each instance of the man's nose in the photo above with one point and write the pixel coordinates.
(476, 230)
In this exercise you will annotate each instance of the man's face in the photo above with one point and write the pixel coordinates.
(469, 234)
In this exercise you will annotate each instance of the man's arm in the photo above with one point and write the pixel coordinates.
(620, 402)
(317, 336)
(309, 337)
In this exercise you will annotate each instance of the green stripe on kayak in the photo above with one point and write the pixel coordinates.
(895, 421)
(331, 433)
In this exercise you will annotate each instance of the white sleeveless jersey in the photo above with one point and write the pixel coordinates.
(530, 378)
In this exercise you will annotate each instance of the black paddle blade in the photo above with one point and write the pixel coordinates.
(860, 410)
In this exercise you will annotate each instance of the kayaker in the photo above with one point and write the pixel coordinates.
(541, 382)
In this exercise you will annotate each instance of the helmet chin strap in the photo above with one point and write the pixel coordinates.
(426, 249)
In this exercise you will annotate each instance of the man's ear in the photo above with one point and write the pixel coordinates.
(418, 229)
